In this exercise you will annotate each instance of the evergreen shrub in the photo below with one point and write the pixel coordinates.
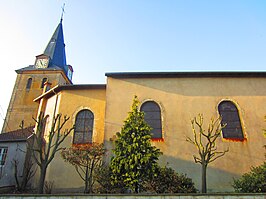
(167, 180)
(253, 181)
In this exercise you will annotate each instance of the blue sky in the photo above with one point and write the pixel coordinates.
(134, 35)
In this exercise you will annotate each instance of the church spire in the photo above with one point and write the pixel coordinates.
(54, 55)
(55, 49)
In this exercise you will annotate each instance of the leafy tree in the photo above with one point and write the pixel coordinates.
(47, 145)
(254, 181)
(205, 142)
(168, 181)
(86, 159)
(264, 133)
(135, 158)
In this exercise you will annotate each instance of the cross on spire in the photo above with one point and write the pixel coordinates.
(63, 11)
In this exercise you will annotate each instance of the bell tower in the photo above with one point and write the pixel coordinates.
(49, 66)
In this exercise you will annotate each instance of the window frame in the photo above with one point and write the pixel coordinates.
(29, 83)
(43, 81)
(90, 120)
(3, 155)
(155, 137)
(226, 134)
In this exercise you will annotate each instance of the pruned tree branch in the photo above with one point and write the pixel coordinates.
(47, 142)
(205, 143)
(86, 158)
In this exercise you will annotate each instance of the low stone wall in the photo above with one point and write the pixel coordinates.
(194, 196)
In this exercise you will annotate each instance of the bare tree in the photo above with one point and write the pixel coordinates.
(46, 146)
(205, 142)
(28, 173)
(29, 170)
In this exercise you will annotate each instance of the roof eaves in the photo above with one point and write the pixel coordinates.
(82, 86)
(187, 74)
(32, 67)
(13, 140)
(49, 92)
(58, 88)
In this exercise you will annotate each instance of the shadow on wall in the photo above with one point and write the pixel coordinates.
(218, 180)
(203, 86)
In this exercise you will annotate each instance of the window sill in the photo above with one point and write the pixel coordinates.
(157, 139)
(235, 139)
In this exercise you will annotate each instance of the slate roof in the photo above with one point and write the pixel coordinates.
(55, 49)
(32, 67)
(17, 135)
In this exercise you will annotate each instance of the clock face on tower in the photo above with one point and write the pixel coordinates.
(42, 63)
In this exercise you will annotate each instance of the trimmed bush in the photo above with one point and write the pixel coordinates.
(169, 181)
(252, 182)
(104, 185)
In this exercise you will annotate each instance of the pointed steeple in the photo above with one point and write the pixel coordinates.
(55, 49)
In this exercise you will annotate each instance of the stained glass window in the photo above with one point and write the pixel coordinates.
(230, 118)
(153, 118)
(83, 127)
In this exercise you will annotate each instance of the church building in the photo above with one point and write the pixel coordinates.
(169, 99)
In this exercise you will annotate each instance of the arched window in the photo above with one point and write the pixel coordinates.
(153, 118)
(230, 116)
(29, 83)
(83, 127)
(43, 81)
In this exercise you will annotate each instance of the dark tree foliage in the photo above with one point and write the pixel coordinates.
(135, 159)
(86, 159)
(169, 181)
(103, 178)
(252, 182)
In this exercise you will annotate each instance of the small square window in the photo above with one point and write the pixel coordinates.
(3, 154)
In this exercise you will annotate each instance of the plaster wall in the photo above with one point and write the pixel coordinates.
(16, 151)
(180, 100)
(21, 105)
(70, 102)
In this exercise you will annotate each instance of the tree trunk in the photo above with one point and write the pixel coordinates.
(90, 181)
(86, 180)
(42, 179)
(136, 189)
(204, 178)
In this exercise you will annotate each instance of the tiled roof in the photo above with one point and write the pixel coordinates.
(17, 135)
